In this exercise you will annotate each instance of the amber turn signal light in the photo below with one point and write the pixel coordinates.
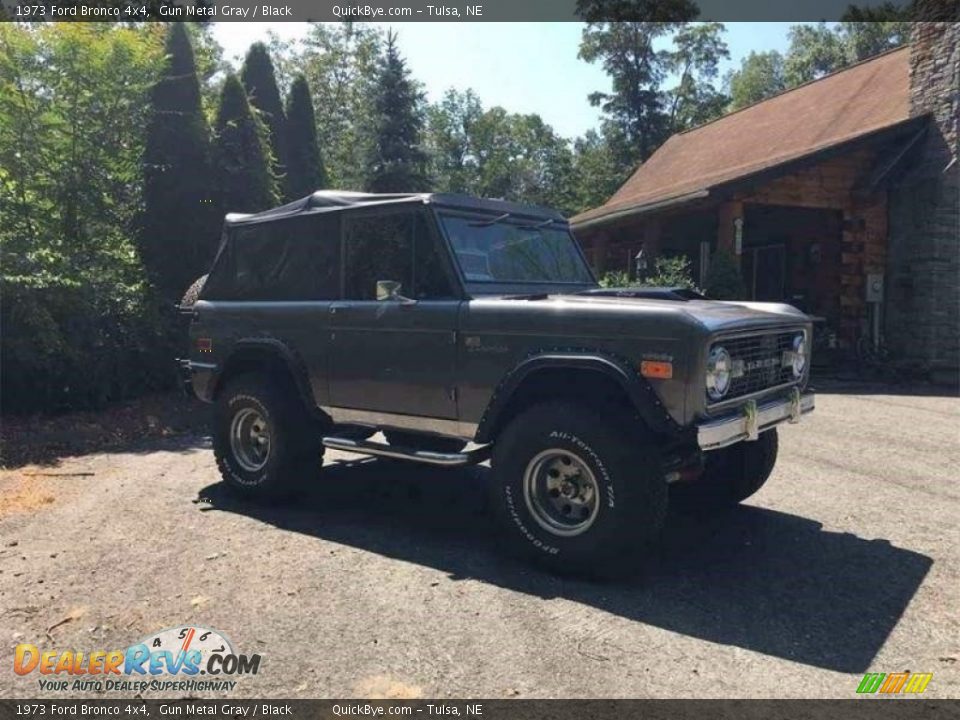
(656, 369)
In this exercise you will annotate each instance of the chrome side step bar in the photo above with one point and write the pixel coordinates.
(365, 447)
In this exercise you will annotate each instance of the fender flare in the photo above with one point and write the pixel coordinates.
(276, 350)
(637, 388)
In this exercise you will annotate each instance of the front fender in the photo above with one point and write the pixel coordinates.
(636, 387)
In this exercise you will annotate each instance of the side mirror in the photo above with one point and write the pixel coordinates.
(389, 290)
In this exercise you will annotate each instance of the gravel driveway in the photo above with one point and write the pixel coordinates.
(385, 580)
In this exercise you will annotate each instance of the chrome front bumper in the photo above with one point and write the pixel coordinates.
(752, 419)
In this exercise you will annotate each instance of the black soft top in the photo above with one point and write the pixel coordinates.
(337, 200)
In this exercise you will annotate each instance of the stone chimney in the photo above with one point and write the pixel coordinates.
(935, 80)
(923, 268)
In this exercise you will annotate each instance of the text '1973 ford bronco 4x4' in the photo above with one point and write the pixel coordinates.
(467, 329)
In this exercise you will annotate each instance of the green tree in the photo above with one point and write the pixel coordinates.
(815, 50)
(869, 31)
(397, 161)
(341, 63)
(211, 65)
(181, 219)
(450, 141)
(80, 324)
(261, 85)
(641, 44)
(698, 50)
(637, 71)
(596, 171)
(243, 155)
(305, 171)
(760, 76)
(494, 153)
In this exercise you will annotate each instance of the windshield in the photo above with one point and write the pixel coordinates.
(503, 250)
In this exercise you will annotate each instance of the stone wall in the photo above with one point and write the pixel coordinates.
(923, 271)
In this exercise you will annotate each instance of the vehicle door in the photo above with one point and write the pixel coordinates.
(393, 335)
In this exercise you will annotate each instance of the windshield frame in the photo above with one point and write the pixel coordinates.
(499, 287)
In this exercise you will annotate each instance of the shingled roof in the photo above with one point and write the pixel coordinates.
(860, 100)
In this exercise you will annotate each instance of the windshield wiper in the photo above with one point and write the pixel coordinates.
(485, 223)
(537, 226)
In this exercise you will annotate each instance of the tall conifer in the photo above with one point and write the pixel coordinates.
(260, 82)
(398, 160)
(180, 223)
(246, 181)
(305, 170)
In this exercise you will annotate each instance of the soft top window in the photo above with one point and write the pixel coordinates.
(290, 259)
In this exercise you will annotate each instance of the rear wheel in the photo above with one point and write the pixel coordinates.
(578, 490)
(418, 441)
(264, 441)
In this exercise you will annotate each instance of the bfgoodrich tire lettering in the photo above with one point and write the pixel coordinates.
(565, 529)
(254, 408)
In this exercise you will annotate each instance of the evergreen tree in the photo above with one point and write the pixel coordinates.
(179, 228)
(243, 156)
(305, 171)
(260, 82)
(398, 161)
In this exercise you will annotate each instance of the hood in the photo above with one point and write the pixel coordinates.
(710, 315)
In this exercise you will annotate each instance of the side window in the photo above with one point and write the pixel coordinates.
(430, 278)
(314, 270)
(377, 247)
(294, 259)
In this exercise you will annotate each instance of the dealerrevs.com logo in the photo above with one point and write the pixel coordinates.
(179, 659)
(894, 683)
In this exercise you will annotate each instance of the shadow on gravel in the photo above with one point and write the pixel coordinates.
(758, 579)
(155, 422)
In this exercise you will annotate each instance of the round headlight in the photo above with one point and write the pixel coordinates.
(799, 355)
(719, 366)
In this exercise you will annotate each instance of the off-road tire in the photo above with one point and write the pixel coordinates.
(626, 469)
(418, 441)
(730, 475)
(295, 451)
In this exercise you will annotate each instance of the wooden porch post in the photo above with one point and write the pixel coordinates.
(727, 215)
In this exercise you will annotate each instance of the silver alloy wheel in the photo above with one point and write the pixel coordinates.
(561, 492)
(250, 439)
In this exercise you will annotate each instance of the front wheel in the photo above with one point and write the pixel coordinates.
(577, 490)
(264, 441)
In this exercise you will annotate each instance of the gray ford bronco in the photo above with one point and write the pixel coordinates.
(465, 330)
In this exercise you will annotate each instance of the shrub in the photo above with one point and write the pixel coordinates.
(668, 271)
(724, 281)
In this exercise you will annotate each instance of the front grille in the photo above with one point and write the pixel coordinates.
(762, 362)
